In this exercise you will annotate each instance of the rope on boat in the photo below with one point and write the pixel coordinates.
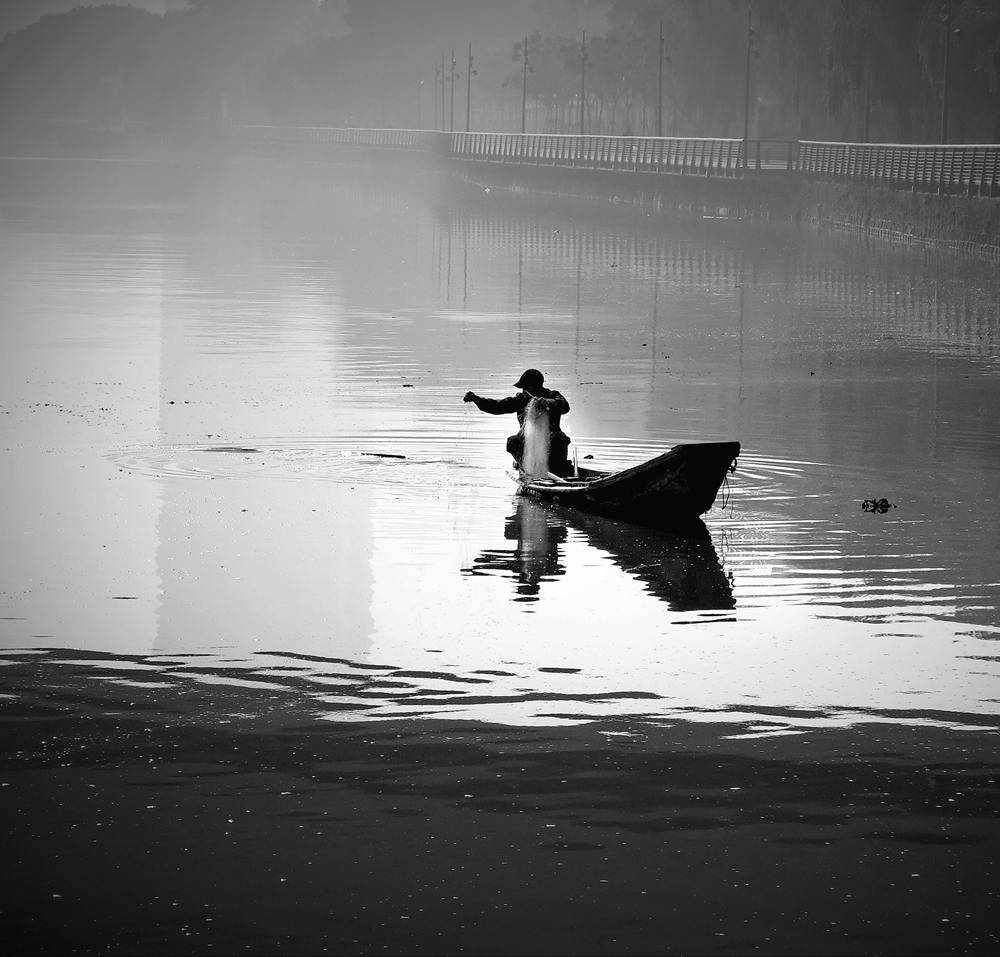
(726, 490)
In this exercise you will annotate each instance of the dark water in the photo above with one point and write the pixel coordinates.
(266, 688)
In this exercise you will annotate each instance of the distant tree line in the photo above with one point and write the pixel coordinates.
(885, 70)
(819, 69)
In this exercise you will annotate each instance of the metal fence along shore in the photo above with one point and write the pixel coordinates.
(641, 154)
(973, 169)
(968, 169)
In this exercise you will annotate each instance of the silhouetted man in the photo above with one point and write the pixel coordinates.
(531, 387)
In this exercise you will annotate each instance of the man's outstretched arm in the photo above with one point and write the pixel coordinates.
(494, 406)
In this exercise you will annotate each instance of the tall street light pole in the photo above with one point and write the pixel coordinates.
(944, 90)
(451, 115)
(443, 84)
(746, 90)
(468, 90)
(866, 135)
(524, 84)
(583, 75)
(659, 96)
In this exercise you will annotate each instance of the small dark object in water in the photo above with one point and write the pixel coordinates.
(880, 505)
(231, 448)
(407, 385)
(384, 455)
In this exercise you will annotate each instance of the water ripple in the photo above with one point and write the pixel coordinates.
(302, 687)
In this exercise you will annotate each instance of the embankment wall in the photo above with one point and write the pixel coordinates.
(967, 224)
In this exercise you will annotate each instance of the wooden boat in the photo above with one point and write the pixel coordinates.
(669, 491)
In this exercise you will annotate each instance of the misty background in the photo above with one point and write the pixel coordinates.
(185, 69)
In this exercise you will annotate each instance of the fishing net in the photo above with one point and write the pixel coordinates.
(537, 435)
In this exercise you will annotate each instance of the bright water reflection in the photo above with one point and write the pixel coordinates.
(198, 396)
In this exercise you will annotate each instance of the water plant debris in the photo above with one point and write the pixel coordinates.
(880, 505)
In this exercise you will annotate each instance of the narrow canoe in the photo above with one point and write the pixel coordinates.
(671, 490)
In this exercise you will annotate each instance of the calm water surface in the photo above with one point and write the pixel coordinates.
(254, 662)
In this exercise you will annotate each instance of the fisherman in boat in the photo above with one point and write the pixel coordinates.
(555, 405)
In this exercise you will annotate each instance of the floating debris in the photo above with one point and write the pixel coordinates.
(231, 448)
(880, 505)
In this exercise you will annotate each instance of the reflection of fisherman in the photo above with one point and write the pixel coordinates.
(531, 387)
(538, 535)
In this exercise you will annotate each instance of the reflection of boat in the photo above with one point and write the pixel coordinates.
(671, 490)
(681, 569)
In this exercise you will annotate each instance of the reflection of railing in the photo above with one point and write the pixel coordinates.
(954, 318)
(688, 266)
(973, 169)
(642, 154)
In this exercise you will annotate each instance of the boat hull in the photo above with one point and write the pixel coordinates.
(672, 490)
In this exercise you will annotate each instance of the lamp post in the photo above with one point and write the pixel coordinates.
(524, 81)
(944, 90)
(746, 89)
(866, 135)
(583, 75)
(659, 96)
(468, 91)
(451, 115)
